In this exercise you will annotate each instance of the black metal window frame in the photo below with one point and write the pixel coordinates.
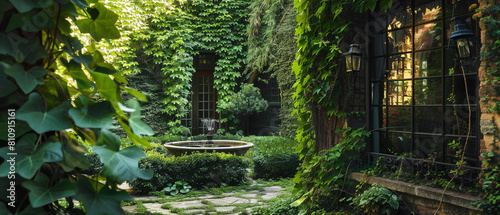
(376, 116)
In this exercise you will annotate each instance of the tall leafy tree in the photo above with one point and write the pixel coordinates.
(59, 98)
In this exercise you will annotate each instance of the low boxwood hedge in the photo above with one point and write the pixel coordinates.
(275, 166)
(198, 170)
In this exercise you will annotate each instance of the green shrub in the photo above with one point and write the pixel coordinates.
(270, 145)
(378, 200)
(281, 207)
(198, 170)
(275, 166)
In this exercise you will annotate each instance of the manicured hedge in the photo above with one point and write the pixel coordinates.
(275, 166)
(198, 170)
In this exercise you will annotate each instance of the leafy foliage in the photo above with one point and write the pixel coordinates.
(247, 101)
(489, 17)
(179, 187)
(271, 49)
(178, 30)
(378, 200)
(62, 97)
(322, 178)
(321, 27)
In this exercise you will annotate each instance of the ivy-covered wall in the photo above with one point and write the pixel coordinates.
(175, 33)
(489, 92)
(271, 52)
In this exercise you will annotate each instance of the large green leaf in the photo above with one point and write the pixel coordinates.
(135, 122)
(123, 165)
(104, 201)
(93, 115)
(41, 193)
(102, 26)
(34, 113)
(30, 158)
(106, 86)
(26, 5)
(25, 21)
(135, 93)
(27, 80)
(6, 86)
(108, 139)
(99, 65)
(73, 152)
(3, 209)
(21, 49)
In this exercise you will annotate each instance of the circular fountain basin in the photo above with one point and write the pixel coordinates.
(228, 146)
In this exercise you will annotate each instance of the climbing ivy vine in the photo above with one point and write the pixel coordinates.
(271, 50)
(181, 30)
(320, 95)
(489, 15)
(59, 99)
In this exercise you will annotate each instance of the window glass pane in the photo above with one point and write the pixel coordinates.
(428, 63)
(428, 91)
(399, 118)
(456, 120)
(429, 146)
(461, 7)
(399, 93)
(400, 15)
(454, 144)
(428, 35)
(400, 67)
(429, 120)
(426, 10)
(400, 41)
(399, 143)
(455, 89)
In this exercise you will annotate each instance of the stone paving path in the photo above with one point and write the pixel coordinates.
(226, 203)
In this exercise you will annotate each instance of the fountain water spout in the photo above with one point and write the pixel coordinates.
(210, 125)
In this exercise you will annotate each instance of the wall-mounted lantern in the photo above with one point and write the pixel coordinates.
(353, 58)
(461, 35)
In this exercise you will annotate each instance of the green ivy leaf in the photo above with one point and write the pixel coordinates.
(123, 165)
(80, 3)
(27, 5)
(102, 202)
(30, 158)
(73, 153)
(101, 27)
(25, 21)
(41, 194)
(6, 86)
(27, 80)
(33, 112)
(3, 209)
(93, 115)
(108, 139)
(135, 122)
(106, 86)
(135, 93)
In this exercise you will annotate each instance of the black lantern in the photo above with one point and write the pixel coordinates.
(461, 36)
(353, 58)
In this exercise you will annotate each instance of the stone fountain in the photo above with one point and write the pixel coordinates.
(228, 146)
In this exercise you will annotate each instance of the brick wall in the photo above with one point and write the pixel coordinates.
(490, 121)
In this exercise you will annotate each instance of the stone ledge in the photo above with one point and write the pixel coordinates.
(434, 194)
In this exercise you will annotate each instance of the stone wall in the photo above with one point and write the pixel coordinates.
(490, 120)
